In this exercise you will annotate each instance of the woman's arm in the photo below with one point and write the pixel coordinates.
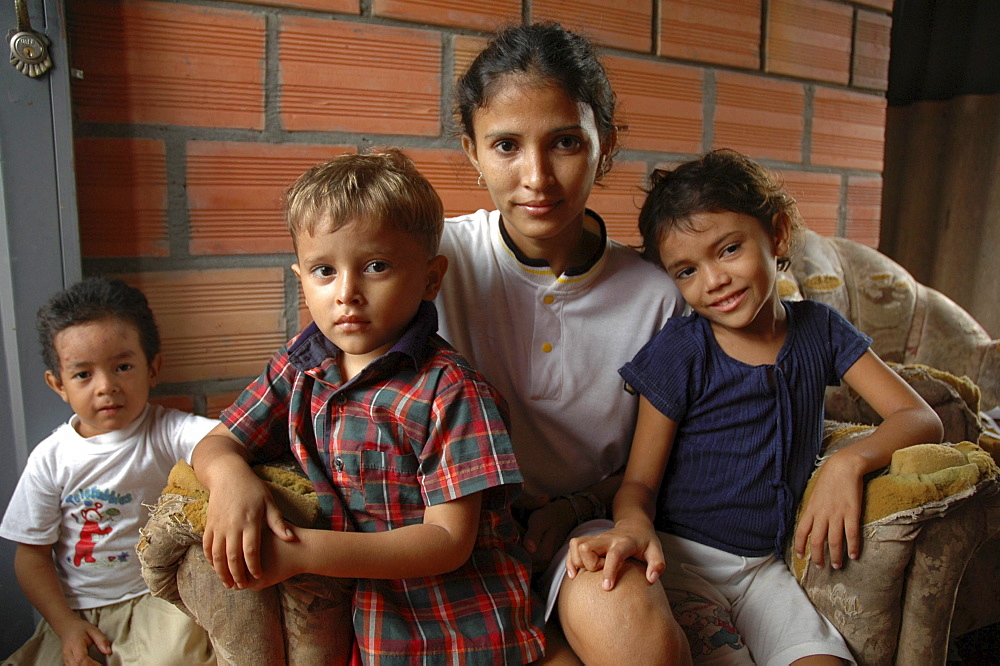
(441, 543)
(835, 507)
(37, 576)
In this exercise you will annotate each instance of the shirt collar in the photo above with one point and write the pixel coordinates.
(311, 349)
(572, 270)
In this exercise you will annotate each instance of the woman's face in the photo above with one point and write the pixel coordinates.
(538, 151)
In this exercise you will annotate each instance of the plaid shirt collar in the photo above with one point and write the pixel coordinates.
(314, 353)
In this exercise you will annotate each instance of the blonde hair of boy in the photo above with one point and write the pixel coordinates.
(383, 186)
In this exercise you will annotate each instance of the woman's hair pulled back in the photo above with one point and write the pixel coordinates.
(546, 51)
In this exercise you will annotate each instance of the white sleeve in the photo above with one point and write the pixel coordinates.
(34, 514)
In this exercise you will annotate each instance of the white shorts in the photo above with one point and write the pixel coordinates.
(552, 580)
(743, 610)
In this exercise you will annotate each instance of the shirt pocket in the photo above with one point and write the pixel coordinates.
(391, 488)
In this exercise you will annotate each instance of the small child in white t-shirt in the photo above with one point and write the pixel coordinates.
(78, 505)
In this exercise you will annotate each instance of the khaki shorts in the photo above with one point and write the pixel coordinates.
(743, 610)
(143, 630)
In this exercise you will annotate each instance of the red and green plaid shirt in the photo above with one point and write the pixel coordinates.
(417, 427)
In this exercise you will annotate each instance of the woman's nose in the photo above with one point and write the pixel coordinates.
(537, 171)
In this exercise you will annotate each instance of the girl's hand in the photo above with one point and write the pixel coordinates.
(77, 637)
(611, 549)
(834, 511)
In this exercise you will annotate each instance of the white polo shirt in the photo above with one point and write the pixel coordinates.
(553, 345)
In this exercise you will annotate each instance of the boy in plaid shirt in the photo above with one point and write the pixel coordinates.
(405, 444)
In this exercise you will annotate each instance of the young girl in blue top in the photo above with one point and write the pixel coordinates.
(730, 424)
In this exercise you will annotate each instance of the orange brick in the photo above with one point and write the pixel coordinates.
(810, 39)
(871, 51)
(660, 103)
(818, 198)
(486, 16)
(624, 24)
(122, 197)
(215, 324)
(726, 32)
(848, 129)
(185, 403)
(618, 199)
(465, 50)
(339, 6)
(760, 117)
(235, 189)
(359, 78)
(216, 402)
(454, 178)
(877, 4)
(864, 209)
(151, 62)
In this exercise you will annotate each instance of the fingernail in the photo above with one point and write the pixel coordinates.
(607, 584)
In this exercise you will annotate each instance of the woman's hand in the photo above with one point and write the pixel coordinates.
(548, 527)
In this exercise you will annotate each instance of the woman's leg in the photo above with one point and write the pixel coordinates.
(630, 624)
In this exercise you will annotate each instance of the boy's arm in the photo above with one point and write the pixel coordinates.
(238, 503)
(37, 576)
(442, 543)
(634, 506)
(835, 507)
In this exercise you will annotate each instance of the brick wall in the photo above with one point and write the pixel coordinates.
(192, 116)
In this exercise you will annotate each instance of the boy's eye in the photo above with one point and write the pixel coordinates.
(377, 267)
(322, 271)
(125, 367)
(83, 374)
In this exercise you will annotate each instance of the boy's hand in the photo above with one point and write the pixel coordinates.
(77, 637)
(833, 512)
(610, 551)
(232, 537)
(280, 560)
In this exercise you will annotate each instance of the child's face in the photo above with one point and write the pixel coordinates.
(726, 267)
(363, 284)
(538, 151)
(103, 374)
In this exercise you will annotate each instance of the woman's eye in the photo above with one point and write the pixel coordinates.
(322, 271)
(568, 142)
(731, 248)
(377, 267)
(505, 146)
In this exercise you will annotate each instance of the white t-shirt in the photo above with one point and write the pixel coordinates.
(86, 496)
(553, 346)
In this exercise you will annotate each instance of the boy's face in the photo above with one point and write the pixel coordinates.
(103, 374)
(363, 284)
(726, 265)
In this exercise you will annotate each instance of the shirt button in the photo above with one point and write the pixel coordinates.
(547, 347)
(340, 399)
(339, 464)
(549, 300)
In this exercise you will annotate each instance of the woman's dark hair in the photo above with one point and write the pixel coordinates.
(547, 51)
(722, 180)
(89, 300)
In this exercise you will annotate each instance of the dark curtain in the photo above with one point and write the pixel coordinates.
(941, 191)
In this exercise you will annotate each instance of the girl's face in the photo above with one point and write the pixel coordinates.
(725, 266)
(538, 151)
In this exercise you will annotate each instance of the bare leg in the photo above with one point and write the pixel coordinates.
(631, 624)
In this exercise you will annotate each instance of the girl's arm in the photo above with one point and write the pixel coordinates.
(37, 576)
(238, 503)
(634, 505)
(835, 507)
(442, 543)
